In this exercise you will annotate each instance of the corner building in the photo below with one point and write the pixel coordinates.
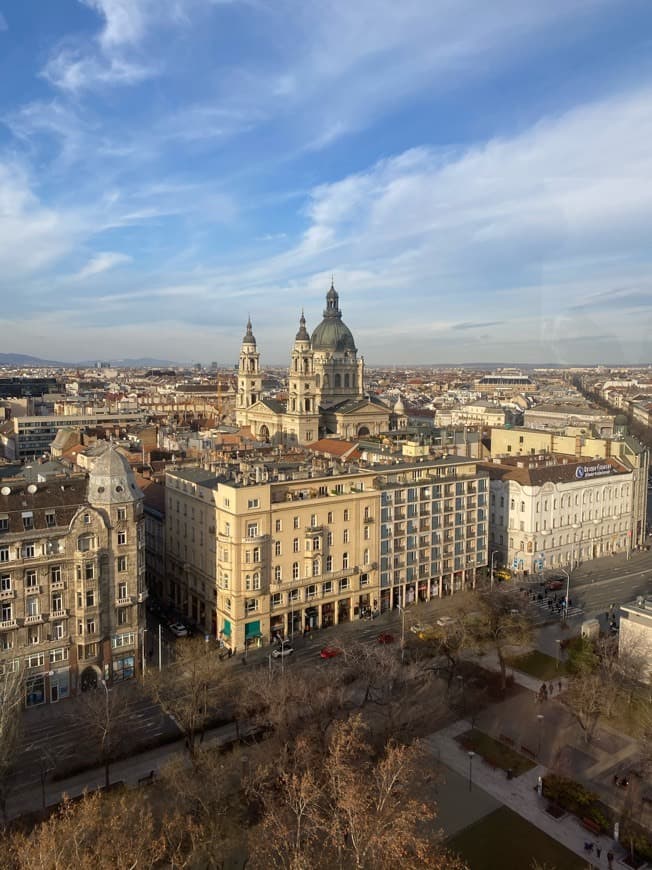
(72, 577)
(279, 556)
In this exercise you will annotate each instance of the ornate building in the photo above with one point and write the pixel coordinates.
(325, 389)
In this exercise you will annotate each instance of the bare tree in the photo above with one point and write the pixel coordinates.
(499, 623)
(191, 690)
(105, 714)
(11, 706)
(584, 700)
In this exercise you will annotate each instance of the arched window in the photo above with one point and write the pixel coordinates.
(326, 381)
(329, 563)
(318, 380)
(345, 560)
(346, 380)
(338, 380)
(306, 366)
(315, 567)
(295, 570)
(307, 404)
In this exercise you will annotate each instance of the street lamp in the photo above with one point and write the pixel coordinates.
(564, 571)
(540, 718)
(471, 753)
(402, 612)
(143, 654)
(491, 575)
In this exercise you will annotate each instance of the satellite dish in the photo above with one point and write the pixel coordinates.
(31, 489)
(5, 490)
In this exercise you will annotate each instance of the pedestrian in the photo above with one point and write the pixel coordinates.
(551, 689)
(598, 850)
(610, 860)
(560, 685)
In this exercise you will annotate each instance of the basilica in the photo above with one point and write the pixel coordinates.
(326, 396)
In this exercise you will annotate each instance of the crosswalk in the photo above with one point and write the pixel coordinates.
(542, 612)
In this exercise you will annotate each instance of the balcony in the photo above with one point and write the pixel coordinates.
(59, 614)
(314, 530)
(5, 594)
(33, 590)
(142, 597)
(8, 624)
(124, 602)
(58, 584)
(34, 619)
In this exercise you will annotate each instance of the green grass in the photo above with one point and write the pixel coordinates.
(538, 664)
(504, 840)
(494, 752)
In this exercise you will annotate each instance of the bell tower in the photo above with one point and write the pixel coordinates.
(302, 414)
(250, 381)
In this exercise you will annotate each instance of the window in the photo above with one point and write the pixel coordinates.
(122, 538)
(366, 514)
(346, 515)
(28, 551)
(277, 574)
(50, 519)
(327, 587)
(315, 543)
(252, 530)
(36, 660)
(5, 612)
(31, 607)
(313, 520)
(90, 626)
(256, 581)
(365, 534)
(278, 526)
(315, 567)
(295, 545)
(295, 570)
(364, 579)
(122, 591)
(33, 635)
(5, 582)
(329, 539)
(295, 522)
(329, 563)
(345, 560)
(227, 530)
(4, 522)
(124, 668)
(277, 548)
(59, 655)
(251, 605)
(28, 520)
(55, 573)
(365, 557)
(57, 631)
(30, 579)
(122, 615)
(294, 595)
(57, 603)
(84, 543)
(311, 591)
(122, 564)
(253, 503)
(277, 599)
(344, 584)
(329, 517)
(89, 570)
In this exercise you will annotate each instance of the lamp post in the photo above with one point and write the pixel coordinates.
(402, 612)
(107, 732)
(540, 718)
(491, 574)
(471, 753)
(564, 571)
(143, 654)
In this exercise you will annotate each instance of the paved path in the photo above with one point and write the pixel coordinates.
(519, 794)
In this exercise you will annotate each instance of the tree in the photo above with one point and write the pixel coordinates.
(105, 714)
(192, 689)
(499, 622)
(11, 707)
(99, 832)
(584, 700)
(345, 808)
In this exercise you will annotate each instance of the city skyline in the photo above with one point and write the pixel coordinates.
(477, 179)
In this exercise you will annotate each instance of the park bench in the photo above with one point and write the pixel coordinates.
(505, 739)
(529, 752)
(590, 825)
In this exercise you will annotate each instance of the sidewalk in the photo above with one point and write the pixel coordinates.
(519, 794)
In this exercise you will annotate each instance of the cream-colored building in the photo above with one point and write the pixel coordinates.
(628, 450)
(279, 556)
(553, 511)
(325, 387)
(72, 577)
(635, 635)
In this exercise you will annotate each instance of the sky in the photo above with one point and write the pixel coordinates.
(477, 178)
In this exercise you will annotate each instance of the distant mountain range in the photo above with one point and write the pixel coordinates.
(27, 361)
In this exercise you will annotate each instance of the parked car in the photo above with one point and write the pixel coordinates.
(385, 637)
(554, 585)
(502, 574)
(330, 652)
(282, 651)
(178, 629)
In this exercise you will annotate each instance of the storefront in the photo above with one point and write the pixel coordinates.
(327, 614)
(35, 690)
(59, 685)
(253, 635)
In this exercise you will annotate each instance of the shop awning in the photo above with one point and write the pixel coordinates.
(252, 629)
(226, 628)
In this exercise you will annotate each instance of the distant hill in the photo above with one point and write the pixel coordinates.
(27, 361)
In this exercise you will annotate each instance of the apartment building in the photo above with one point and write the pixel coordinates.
(551, 511)
(248, 560)
(30, 437)
(72, 577)
(628, 450)
(635, 635)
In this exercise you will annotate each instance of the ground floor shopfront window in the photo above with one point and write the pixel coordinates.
(35, 691)
(124, 668)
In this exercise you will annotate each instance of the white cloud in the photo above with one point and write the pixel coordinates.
(101, 262)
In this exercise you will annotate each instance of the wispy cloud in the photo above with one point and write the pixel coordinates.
(482, 324)
(101, 262)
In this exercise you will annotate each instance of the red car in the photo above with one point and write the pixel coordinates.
(385, 637)
(554, 585)
(330, 652)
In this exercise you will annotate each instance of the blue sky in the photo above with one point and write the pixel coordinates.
(477, 176)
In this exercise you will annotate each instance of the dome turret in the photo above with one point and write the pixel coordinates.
(111, 480)
(302, 334)
(332, 333)
(249, 336)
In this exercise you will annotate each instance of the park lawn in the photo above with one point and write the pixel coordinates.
(503, 839)
(494, 752)
(538, 664)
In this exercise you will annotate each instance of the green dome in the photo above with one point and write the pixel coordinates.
(332, 333)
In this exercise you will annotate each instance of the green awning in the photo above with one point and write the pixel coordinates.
(226, 628)
(252, 629)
